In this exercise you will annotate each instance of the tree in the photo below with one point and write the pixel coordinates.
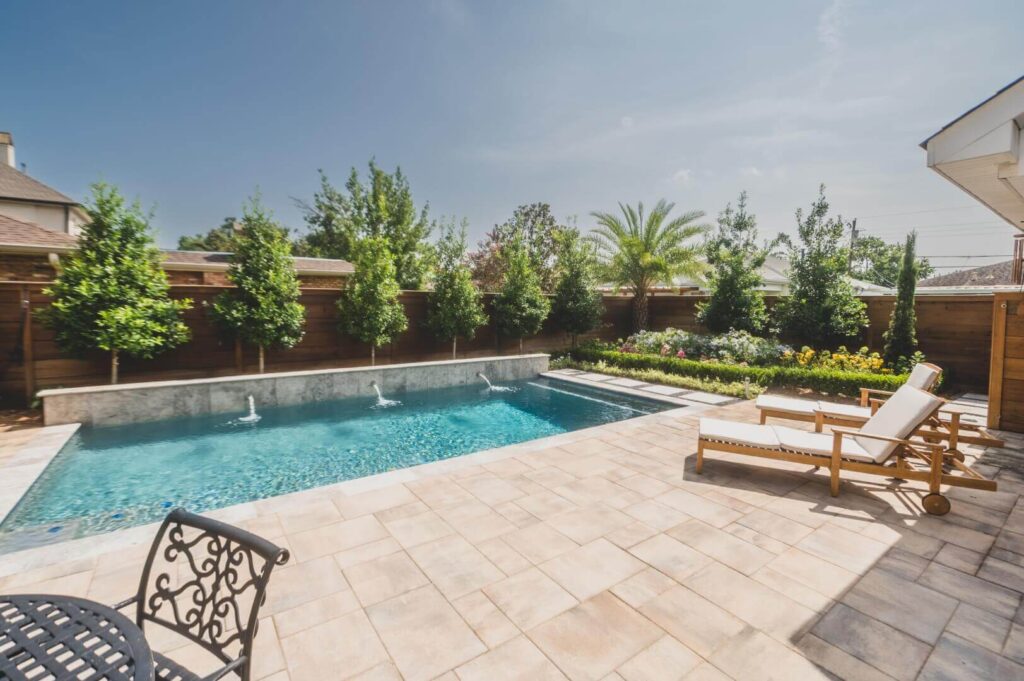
(822, 306)
(453, 307)
(876, 261)
(263, 308)
(536, 227)
(639, 251)
(221, 239)
(734, 277)
(339, 220)
(901, 338)
(520, 307)
(369, 305)
(577, 307)
(111, 293)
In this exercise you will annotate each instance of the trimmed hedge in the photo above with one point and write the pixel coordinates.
(821, 380)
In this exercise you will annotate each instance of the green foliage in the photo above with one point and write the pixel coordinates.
(733, 389)
(734, 346)
(263, 308)
(822, 380)
(734, 277)
(453, 307)
(536, 227)
(876, 261)
(369, 305)
(577, 306)
(219, 239)
(338, 221)
(901, 336)
(639, 251)
(521, 307)
(822, 307)
(111, 293)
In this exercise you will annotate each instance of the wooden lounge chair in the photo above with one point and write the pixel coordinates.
(879, 447)
(947, 425)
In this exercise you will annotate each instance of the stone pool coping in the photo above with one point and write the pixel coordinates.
(94, 545)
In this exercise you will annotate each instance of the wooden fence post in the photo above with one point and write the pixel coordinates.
(27, 355)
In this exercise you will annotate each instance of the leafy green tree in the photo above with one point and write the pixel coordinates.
(639, 251)
(520, 307)
(221, 239)
(338, 220)
(879, 262)
(901, 336)
(534, 225)
(453, 307)
(111, 293)
(263, 309)
(369, 305)
(735, 260)
(577, 306)
(822, 307)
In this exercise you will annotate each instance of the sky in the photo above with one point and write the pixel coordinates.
(192, 106)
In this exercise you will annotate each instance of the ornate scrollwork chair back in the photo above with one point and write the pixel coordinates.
(206, 580)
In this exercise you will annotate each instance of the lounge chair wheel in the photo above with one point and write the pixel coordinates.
(936, 504)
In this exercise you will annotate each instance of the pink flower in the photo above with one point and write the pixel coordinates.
(681, 354)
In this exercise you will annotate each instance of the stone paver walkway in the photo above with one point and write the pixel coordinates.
(607, 557)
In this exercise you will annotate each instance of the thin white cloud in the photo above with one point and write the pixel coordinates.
(682, 176)
(830, 29)
(751, 171)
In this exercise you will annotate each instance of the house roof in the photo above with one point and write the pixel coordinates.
(998, 274)
(214, 260)
(17, 186)
(30, 236)
(21, 236)
(965, 114)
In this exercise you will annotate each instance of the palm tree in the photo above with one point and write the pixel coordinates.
(638, 252)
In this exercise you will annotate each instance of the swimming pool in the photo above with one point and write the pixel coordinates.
(109, 478)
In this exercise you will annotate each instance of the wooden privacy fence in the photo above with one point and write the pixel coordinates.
(954, 331)
(1006, 387)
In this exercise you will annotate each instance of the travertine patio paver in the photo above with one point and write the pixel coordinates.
(601, 554)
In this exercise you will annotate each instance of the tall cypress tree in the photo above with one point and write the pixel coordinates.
(111, 293)
(454, 307)
(263, 308)
(901, 336)
(521, 307)
(369, 305)
(577, 306)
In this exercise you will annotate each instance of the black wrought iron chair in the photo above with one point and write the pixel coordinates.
(205, 580)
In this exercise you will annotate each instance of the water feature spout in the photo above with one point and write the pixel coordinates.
(495, 388)
(383, 403)
(252, 417)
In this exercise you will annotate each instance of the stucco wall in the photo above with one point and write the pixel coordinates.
(51, 217)
(138, 402)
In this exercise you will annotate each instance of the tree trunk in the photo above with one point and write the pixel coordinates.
(373, 355)
(520, 345)
(261, 358)
(454, 340)
(640, 310)
(239, 363)
(113, 367)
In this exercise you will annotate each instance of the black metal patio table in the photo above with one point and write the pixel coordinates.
(63, 637)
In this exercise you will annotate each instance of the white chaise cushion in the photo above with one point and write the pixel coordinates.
(852, 411)
(898, 417)
(789, 405)
(738, 433)
(804, 442)
(924, 376)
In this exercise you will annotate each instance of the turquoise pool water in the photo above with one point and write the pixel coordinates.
(110, 478)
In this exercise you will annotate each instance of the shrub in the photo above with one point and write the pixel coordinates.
(732, 389)
(842, 360)
(734, 347)
(828, 380)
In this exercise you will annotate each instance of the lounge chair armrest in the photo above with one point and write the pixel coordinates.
(849, 432)
(866, 393)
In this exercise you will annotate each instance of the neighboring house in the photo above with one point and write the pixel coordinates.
(39, 224)
(28, 199)
(774, 275)
(985, 279)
